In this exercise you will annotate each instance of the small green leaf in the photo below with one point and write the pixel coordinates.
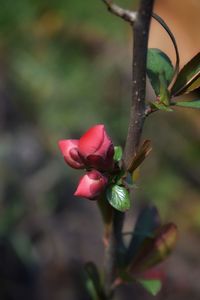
(118, 153)
(153, 286)
(191, 104)
(164, 93)
(158, 63)
(93, 282)
(162, 106)
(91, 289)
(118, 197)
(188, 78)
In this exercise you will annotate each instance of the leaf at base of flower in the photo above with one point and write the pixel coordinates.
(118, 197)
(118, 153)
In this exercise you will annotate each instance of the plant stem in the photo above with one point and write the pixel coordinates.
(137, 116)
(113, 252)
(137, 113)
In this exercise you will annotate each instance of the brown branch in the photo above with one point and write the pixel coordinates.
(141, 31)
(113, 253)
(127, 15)
(138, 107)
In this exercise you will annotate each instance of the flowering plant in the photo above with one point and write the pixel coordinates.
(106, 181)
(110, 172)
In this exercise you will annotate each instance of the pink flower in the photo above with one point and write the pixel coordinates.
(96, 148)
(69, 149)
(91, 185)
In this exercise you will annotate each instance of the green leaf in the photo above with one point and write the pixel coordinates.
(158, 63)
(154, 250)
(125, 276)
(118, 153)
(91, 289)
(164, 93)
(147, 222)
(118, 197)
(191, 104)
(162, 106)
(93, 282)
(188, 78)
(153, 286)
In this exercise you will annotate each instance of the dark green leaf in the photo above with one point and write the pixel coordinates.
(91, 289)
(158, 63)
(118, 197)
(164, 93)
(93, 282)
(147, 221)
(153, 286)
(154, 250)
(125, 276)
(188, 78)
(118, 153)
(162, 106)
(191, 104)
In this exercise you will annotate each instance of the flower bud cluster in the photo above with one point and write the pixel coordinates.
(94, 152)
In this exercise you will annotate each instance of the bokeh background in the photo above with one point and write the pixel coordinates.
(65, 66)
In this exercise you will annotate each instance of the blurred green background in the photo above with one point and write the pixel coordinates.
(65, 66)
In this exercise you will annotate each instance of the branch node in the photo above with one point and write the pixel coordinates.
(125, 14)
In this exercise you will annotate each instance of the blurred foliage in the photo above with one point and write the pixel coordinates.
(64, 66)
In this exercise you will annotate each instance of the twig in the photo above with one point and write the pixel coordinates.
(137, 113)
(127, 15)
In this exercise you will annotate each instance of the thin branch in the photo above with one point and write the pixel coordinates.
(127, 15)
(138, 107)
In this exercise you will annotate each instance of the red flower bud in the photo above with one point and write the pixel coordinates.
(69, 149)
(91, 185)
(96, 148)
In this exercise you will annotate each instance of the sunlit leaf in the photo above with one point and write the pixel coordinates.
(189, 104)
(118, 197)
(158, 63)
(140, 156)
(153, 286)
(188, 78)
